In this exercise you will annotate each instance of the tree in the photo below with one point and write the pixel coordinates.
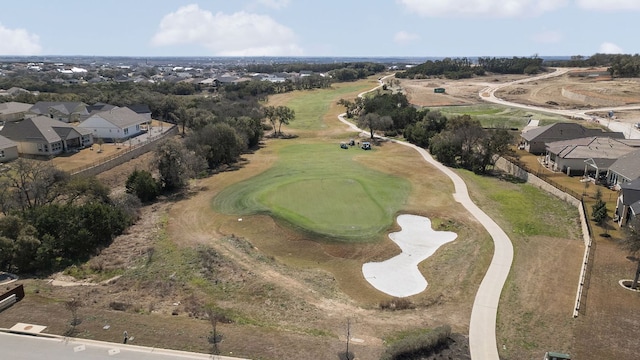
(218, 143)
(72, 306)
(599, 211)
(31, 184)
(278, 115)
(373, 122)
(170, 157)
(142, 184)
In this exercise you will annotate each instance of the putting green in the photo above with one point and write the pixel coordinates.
(322, 189)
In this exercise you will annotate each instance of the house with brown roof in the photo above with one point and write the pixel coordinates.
(536, 139)
(42, 135)
(117, 124)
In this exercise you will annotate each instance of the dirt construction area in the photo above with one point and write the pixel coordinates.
(279, 293)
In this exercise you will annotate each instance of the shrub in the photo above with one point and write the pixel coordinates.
(143, 185)
(396, 304)
(419, 343)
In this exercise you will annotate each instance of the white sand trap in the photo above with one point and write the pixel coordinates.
(399, 276)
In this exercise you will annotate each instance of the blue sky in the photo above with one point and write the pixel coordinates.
(385, 28)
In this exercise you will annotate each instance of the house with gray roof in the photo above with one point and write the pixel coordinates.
(113, 125)
(536, 139)
(584, 155)
(628, 205)
(8, 150)
(42, 135)
(13, 111)
(625, 169)
(63, 111)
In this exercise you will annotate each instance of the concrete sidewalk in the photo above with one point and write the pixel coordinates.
(482, 328)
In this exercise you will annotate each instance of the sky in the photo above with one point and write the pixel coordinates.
(311, 28)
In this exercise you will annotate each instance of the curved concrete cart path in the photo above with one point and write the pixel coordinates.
(482, 328)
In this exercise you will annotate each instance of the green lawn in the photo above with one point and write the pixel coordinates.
(313, 105)
(322, 189)
(491, 115)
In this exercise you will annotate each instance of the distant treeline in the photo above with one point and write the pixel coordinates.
(618, 65)
(341, 71)
(461, 68)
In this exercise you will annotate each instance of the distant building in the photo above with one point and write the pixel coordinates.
(8, 150)
(535, 140)
(62, 111)
(116, 124)
(13, 111)
(42, 135)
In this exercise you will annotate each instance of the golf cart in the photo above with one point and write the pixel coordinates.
(366, 146)
(343, 145)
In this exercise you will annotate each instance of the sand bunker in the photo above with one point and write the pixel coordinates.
(399, 276)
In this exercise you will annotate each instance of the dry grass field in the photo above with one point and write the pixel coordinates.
(290, 295)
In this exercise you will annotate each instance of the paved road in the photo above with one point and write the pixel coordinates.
(25, 347)
(630, 132)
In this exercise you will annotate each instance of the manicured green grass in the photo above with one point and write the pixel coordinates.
(528, 210)
(321, 189)
(313, 105)
(491, 115)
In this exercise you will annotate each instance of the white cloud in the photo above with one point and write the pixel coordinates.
(403, 37)
(547, 37)
(238, 34)
(610, 48)
(275, 4)
(18, 42)
(609, 5)
(484, 8)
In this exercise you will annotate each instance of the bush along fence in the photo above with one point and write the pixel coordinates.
(121, 157)
(546, 183)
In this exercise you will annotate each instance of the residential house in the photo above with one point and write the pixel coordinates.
(13, 111)
(624, 170)
(587, 155)
(535, 140)
(141, 109)
(8, 150)
(628, 205)
(115, 125)
(63, 111)
(42, 135)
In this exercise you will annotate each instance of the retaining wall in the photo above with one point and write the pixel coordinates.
(121, 158)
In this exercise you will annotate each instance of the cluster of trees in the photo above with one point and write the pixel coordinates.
(514, 65)
(461, 68)
(465, 143)
(625, 66)
(51, 220)
(457, 142)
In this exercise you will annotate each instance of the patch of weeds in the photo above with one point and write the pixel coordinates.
(319, 333)
(396, 304)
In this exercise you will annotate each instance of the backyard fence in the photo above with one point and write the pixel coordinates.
(131, 152)
(541, 180)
